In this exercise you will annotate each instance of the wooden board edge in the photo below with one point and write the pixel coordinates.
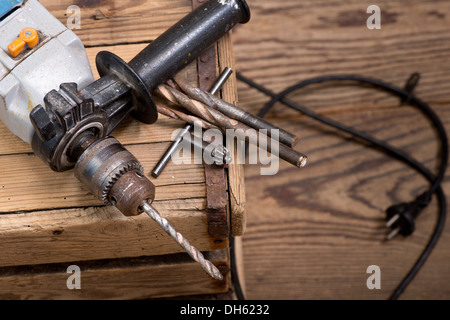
(235, 171)
(124, 279)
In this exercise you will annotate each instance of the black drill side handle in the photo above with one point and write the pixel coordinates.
(172, 51)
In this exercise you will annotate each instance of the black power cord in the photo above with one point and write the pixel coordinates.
(234, 271)
(401, 216)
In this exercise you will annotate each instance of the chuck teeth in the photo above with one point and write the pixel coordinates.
(112, 181)
(103, 164)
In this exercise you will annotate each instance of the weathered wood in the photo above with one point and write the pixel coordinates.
(216, 186)
(140, 278)
(131, 131)
(99, 233)
(113, 22)
(31, 185)
(49, 219)
(236, 183)
(312, 233)
(282, 45)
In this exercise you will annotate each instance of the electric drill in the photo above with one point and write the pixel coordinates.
(50, 99)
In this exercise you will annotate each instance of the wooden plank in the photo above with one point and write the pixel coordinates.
(282, 45)
(311, 234)
(130, 131)
(99, 233)
(140, 278)
(315, 231)
(30, 185)
(216, 186)
(236, 183)
(113, 22)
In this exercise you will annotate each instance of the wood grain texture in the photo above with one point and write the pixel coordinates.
(236, 183)
(30, 185)
(97, 233)
(139, 278)
(312, 233)
(48, 220)
(298, 40)
(118, 22)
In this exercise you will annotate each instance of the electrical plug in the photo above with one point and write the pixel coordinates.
(400, 217)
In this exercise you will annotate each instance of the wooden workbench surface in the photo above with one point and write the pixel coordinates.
(312, 233)
(49, 221)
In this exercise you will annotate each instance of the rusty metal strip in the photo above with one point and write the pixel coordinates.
(216, 186)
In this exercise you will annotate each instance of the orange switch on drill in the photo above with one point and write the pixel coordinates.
(28, 36)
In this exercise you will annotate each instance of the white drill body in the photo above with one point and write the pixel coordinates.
(60, 57)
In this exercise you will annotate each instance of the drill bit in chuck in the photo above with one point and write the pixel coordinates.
(115, 176)
(182, 241)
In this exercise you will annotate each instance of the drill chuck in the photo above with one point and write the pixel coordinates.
(114, 176)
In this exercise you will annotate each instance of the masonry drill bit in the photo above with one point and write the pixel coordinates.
(178, 115)
(182, 241)
(196, 107)
(234, 112)
(223, 122)
(188, 127)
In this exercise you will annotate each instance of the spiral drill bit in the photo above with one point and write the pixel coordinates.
(217, 118)
(182, 241)
(234, 112)
(116, 177)
(178, 115)
(189, 126)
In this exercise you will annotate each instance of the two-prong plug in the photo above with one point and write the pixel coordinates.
(400, 217)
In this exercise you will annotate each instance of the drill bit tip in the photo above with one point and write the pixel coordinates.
(303, 161)
(182, 241)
